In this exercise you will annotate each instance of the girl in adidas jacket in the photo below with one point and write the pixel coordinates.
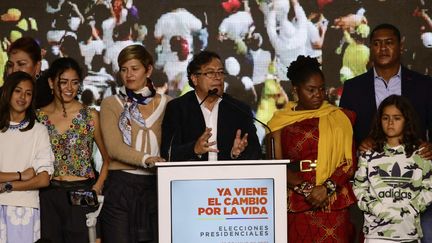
(393, 183)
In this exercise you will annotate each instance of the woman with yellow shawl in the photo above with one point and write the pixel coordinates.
(317, 137)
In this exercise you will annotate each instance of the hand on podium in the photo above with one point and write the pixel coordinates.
(150, 161)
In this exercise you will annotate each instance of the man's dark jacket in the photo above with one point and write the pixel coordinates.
(184, 123)
(359, 96)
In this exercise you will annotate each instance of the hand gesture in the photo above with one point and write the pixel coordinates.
(318, 197)
(97, 188)
(239, 145)
(426, 150)
(202, 145)
(366, 145)
(349, 22)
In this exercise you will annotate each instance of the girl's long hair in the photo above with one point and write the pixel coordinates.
(11, 82)
(410, 133)
(57, 68)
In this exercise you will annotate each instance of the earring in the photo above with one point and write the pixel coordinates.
(294, 95)
(37, 76)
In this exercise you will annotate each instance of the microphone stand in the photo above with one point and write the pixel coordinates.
(272, 142)
(210, 93)
(170, 148)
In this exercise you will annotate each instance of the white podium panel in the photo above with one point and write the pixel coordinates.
(222, 201)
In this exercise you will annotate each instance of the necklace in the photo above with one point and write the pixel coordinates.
(20, 125)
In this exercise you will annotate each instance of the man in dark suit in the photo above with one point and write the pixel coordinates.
(206, 124)
(364, 93)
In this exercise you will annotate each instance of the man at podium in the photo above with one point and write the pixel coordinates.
(205, 123)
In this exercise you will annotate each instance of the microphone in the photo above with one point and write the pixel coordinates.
(213, 92)
(272, 142)
(210, 93)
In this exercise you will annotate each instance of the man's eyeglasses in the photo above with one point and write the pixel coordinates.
(213, 74)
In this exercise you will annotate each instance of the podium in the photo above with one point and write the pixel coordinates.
(222, 201)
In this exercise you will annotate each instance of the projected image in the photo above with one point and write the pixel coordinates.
(258, 39)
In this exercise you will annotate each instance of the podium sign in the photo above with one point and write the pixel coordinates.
(222, 201)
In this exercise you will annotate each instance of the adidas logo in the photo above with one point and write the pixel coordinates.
(395, 179)
(396, 194)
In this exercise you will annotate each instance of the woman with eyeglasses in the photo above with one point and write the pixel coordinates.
(318, 138)
(131, 127)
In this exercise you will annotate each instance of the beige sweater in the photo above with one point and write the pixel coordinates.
(145, 140)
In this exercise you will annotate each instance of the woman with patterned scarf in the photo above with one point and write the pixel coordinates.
(317, 137)
(131, 128)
